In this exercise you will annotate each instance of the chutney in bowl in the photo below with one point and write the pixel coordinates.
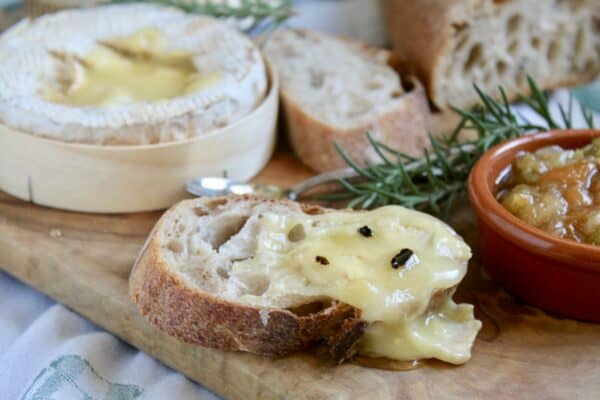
(557, 190)
(547, 270)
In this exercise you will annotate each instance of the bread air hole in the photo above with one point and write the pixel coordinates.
(513, 24)
(225, 230)
(579, 40)
(535, 42)
(297, 233)
(408, 85)
(175, 245)
(461, 43)
(475, 56)
(553, 51)
(215, 203)
(501, 67)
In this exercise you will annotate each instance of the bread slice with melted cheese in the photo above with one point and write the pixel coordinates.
(274, 276)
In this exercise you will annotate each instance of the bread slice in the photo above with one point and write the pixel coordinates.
(190, 281)
(194, 299)
(451, 44)
(337, 90)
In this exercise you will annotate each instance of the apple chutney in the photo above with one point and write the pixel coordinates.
(557, 190)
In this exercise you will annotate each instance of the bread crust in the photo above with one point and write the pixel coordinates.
(198, 317)
(422, 30)
(405, 127)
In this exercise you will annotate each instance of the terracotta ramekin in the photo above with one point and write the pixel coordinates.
(554, 274)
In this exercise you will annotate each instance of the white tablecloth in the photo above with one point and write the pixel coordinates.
(49, 352)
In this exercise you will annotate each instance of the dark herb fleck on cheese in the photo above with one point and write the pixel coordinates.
(401, 258)
(365, 231)
(322, 260)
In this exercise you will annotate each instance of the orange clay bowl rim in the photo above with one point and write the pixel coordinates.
(492, 213)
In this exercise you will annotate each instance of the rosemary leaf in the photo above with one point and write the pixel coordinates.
(356, 201)
(376, 146)
(588, 115)
(364, 172)
(350, 187)
(439, 153)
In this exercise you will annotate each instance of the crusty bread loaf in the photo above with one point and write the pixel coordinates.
(451, 44)
(337, 90)
(209, 275)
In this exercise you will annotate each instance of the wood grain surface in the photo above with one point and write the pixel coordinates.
(83, 261)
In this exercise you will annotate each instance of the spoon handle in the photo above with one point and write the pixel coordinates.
(214, 186)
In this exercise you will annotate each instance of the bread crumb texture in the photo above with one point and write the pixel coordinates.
(502, 42)
(340, 81)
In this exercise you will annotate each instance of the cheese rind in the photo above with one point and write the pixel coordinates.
(325, 256)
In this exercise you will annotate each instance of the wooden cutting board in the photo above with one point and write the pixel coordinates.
(83, 261)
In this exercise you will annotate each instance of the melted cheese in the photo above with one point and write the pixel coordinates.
(325, 255)
(446, 333)
(130, 69)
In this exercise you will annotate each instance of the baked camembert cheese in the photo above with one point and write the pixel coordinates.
(127, 74)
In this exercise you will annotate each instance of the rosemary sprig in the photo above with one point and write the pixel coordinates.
(432, 183)
(260, 11)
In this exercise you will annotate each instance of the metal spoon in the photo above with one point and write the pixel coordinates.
(216, 186)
